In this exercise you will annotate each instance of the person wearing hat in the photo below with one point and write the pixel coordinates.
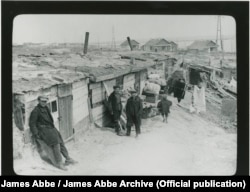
(134, 110)
(42, 127)
(115, 107)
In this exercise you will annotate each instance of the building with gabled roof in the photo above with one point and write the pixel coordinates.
(157, 45)
(207, 46)
(135, 45)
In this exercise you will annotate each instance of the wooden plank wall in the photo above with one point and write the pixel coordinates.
(129, 81)
(98, 96)
(64, 90)
(81, 127)
(80, 104)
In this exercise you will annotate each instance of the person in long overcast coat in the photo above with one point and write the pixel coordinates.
(42, 127)
(115, 107)
(134, 110)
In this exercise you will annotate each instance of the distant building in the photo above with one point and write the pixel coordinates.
(135, 45)
(159, 45)
(174, 46)
(205, 46)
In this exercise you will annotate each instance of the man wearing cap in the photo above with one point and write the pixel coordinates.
(42, 127)
(134, 110)
(116, 107)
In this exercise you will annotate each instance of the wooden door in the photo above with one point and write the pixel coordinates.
(65, 110)
(65, 117)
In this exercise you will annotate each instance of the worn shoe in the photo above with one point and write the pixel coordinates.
(70, 161)
(119, 134)
(62, 167)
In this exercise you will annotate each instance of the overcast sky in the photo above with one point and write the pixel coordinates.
(72, 28)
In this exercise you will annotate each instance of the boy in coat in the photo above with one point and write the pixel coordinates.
(164, 107)
(134, 110)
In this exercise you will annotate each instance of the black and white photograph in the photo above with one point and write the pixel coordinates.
(116, 94)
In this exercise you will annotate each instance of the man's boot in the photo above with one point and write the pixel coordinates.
(62, 167)
(70, 161)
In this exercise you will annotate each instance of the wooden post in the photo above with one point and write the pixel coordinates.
(86, 43)
(129, 42)
(90, 112)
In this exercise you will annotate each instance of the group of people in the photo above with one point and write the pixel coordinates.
(43, 128)
(133, 109)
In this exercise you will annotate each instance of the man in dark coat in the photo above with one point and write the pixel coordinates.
(42, 127)
(164, 107)
(134, 111)
(115, 107)
(179, 89)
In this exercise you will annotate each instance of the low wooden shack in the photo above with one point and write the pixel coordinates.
(75, 96)
(127, 76)
(67, 101)
(194, 70)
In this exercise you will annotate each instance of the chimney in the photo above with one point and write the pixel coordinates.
(86, 43)
(129, 42)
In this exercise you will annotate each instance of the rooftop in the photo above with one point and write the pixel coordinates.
(202, 44)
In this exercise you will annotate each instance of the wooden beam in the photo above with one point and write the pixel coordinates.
(97, 111)
(95, 85)
(98, 97)
(90, 112)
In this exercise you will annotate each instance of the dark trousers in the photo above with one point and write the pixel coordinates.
(137, 122)
(59, 149)
(116, 119)
(164, 115)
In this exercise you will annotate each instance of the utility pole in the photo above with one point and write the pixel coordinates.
(218, 34)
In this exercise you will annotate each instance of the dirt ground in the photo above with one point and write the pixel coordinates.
(189, 144)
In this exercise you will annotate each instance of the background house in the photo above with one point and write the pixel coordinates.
(159, 45)
(135, 45)
(174, 46)
(206, 46)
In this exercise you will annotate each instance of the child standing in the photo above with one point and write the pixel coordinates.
(164, 106)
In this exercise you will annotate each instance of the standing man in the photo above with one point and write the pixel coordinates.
(134, 111)
(42, 127)
(179, 89)
(115, 104)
